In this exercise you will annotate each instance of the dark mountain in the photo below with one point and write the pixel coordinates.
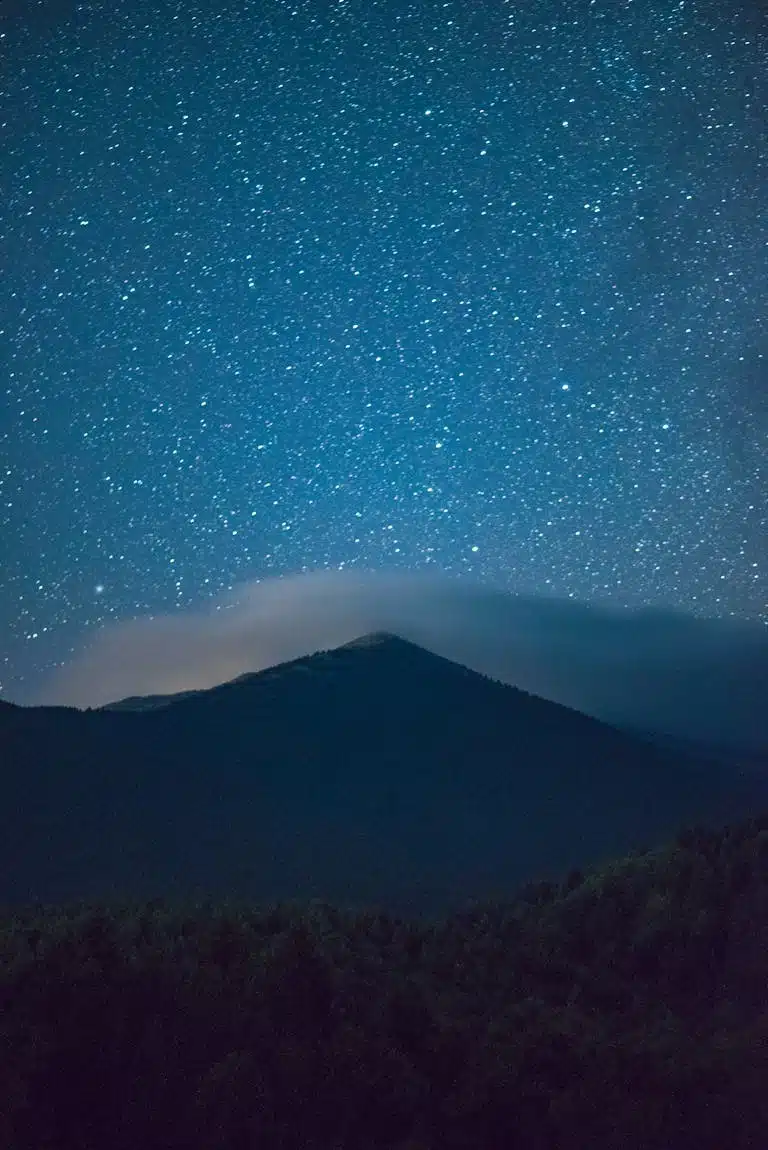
(147, 702)
(376, 773)
(731, 758)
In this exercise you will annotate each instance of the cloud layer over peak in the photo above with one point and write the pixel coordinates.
(690, 677)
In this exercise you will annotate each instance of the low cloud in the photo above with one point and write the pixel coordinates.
(690, 677)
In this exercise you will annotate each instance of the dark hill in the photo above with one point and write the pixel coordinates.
(374, 773)
(625, 1008)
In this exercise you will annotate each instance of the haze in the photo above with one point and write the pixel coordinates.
(664, 671)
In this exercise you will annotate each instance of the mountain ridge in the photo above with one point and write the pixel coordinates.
(377, 642)
(374, 772)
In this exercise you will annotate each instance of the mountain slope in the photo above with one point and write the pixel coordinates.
(374, 773)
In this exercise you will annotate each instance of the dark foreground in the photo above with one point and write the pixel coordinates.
(627, 1008)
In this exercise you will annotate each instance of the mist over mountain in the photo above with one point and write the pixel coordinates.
(688, 677)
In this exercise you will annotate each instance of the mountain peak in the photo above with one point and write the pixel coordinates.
(376, 639)
(380, 774)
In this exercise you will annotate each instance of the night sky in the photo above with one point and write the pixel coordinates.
(379, 284)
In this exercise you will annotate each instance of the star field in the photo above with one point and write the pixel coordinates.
(379, 284)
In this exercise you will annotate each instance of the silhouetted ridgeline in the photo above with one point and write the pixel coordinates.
(374, 774)
(622, 1008)
(625, 1008)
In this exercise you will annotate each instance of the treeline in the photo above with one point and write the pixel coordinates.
(623, 1008)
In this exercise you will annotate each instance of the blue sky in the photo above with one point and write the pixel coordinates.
(292, 287)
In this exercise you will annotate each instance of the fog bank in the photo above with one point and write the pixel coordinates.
(693, 678)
